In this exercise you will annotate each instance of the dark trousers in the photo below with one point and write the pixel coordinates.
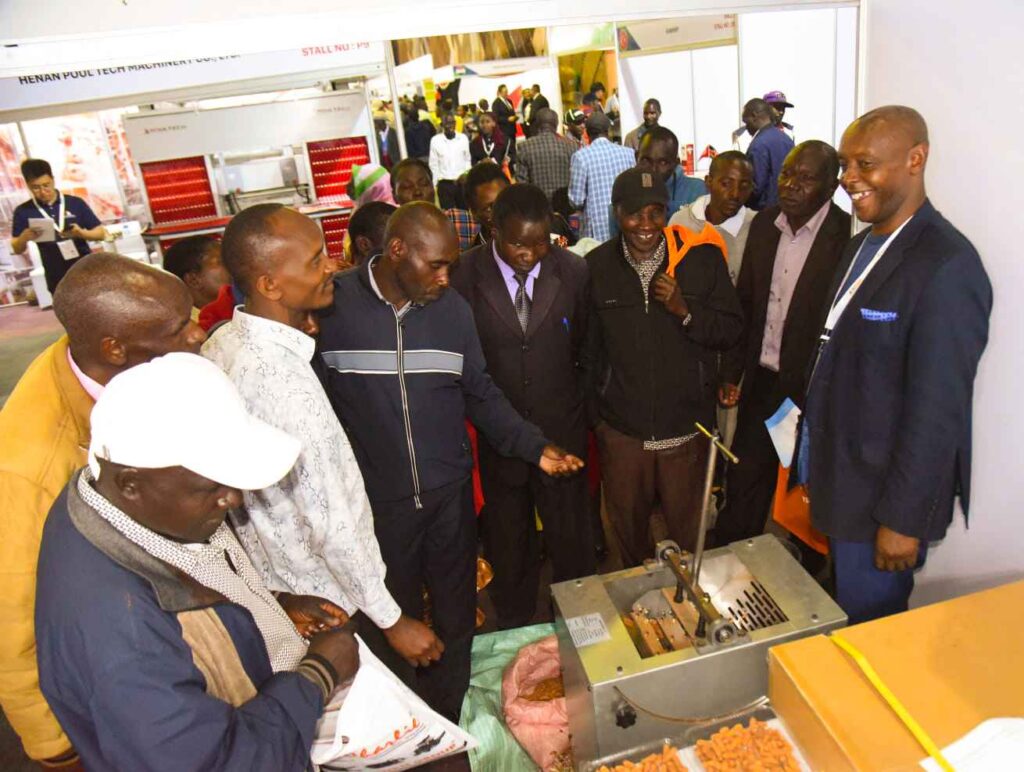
(750, 484)
(510, 539)
(434, 547)
(638, 480)
(864, 592)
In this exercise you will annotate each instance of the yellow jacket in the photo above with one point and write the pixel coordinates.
(44, 436)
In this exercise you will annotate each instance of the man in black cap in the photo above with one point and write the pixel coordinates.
(656, 325)
(778, 103)
(574, 131)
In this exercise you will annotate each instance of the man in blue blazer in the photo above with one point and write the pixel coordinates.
(885, 443)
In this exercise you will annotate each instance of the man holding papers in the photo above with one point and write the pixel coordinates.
(59, 223)
(788, 264)
(885, 439)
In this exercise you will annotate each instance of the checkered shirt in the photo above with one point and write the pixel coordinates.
(544, 161)
(592, 174)
(466, 227)
(208, 564)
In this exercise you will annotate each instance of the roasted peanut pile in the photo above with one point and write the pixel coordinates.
(754, 748)
(548, 689)
(666, 761)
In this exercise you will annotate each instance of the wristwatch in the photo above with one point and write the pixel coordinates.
(687, 319)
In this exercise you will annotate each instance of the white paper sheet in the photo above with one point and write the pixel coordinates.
(782, 429)
(44, 227)
(378, 723)
(993, 745)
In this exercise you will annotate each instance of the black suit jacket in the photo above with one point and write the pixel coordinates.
(888, 408)
(810, 296)
(503, 113)
(537, 104)
(538, 371)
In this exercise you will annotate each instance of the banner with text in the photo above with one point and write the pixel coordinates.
(72, 86)
(661, 35)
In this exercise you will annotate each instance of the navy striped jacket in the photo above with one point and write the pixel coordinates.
(403, 386)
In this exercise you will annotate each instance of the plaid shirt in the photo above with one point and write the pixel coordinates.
(544, 161)
(593, 172)
(467, 228)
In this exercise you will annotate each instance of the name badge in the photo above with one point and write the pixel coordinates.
(67, 248)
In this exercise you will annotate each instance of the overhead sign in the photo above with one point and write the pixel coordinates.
(69, 86)
(683, 34)
(160, 136)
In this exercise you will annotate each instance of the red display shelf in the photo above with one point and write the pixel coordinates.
(178, 189)
(334, 228)
(331, 161)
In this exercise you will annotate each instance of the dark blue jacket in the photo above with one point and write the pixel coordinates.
(403, 387)
(767, 150)
(122, 680)
(889, 405)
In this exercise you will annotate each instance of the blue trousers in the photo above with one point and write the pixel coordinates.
(864, 592)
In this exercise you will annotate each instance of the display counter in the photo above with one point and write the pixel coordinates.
(332, 218)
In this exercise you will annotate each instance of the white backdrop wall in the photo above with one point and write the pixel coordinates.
(962, 70)
(811, 55)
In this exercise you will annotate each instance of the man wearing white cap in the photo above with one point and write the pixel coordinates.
(159, 646)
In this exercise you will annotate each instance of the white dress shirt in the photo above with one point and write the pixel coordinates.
(449, 158)
(311, 533)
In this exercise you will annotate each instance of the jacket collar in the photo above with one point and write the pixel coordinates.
(77, 400)
(892, 259)
(175, 591)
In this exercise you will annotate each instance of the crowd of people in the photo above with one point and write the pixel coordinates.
(226, 469)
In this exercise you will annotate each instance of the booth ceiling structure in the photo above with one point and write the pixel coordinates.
(125, 32)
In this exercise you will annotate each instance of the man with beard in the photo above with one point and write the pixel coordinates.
(310, 533)
(792, 253)
(885, 442)
(405, 369)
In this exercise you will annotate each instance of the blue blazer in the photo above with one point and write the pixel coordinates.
(888, 407)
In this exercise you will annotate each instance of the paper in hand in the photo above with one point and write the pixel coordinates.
(44, 227)
(782, 429)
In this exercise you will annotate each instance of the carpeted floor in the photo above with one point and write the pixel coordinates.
(24, 332)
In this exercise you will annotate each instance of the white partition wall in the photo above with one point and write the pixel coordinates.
(961, 69)
(811, 55)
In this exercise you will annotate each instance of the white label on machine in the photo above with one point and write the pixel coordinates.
(587, 629)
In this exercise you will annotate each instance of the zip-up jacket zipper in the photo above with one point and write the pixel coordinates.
(405, 411)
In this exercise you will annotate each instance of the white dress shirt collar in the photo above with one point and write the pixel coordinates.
(258, 327)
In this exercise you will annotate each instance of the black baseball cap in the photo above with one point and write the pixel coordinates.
(635, 188)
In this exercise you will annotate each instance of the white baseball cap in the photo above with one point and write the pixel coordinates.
(183, 410)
